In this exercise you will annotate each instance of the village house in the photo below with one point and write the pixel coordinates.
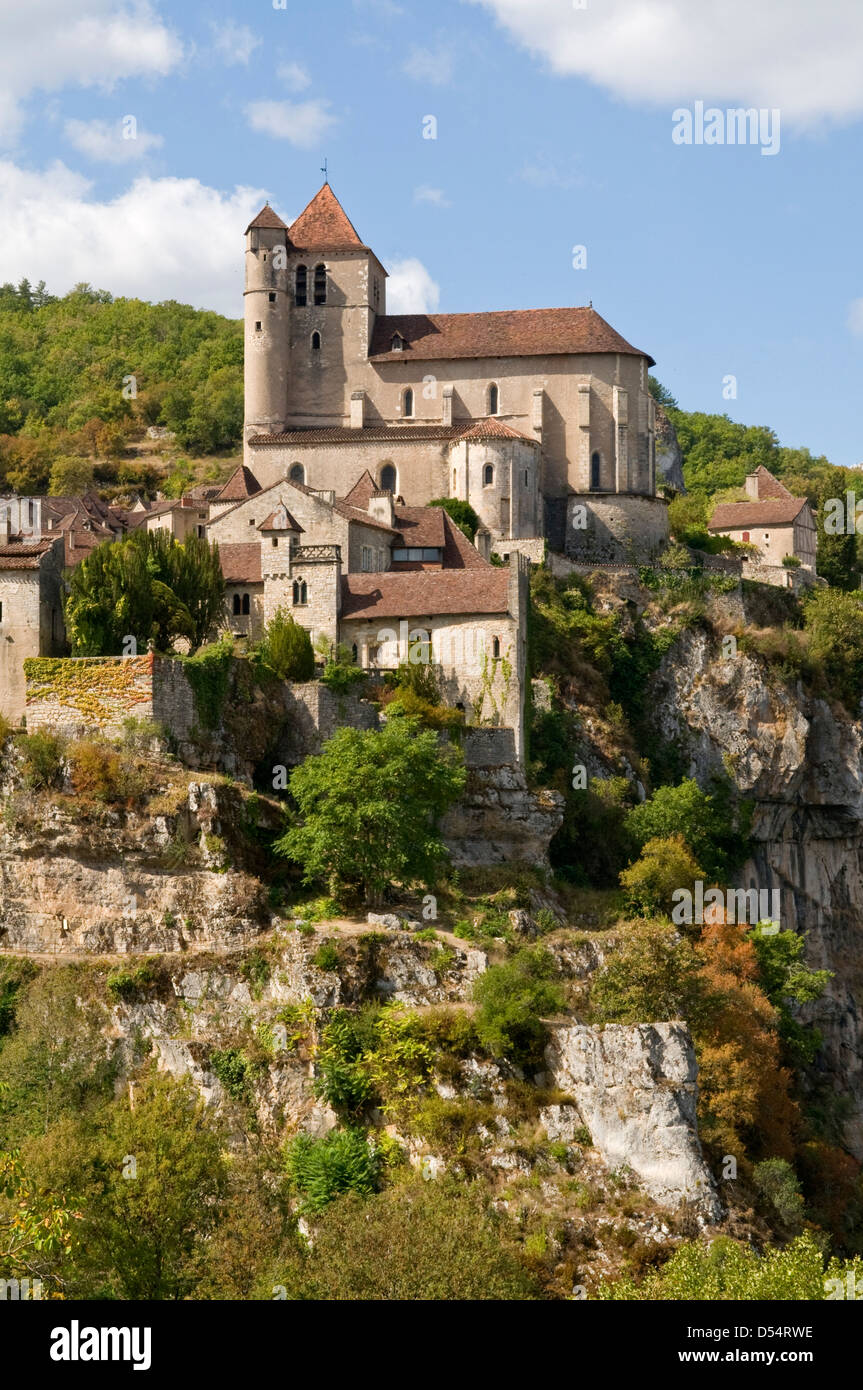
(780, 527)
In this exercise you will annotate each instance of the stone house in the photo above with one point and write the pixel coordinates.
(774, 521)
(31, 610)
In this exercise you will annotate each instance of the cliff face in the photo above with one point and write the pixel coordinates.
(799, 760)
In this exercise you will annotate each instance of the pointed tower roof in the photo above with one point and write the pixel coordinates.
(361, 493)
(267, 218)
(325, 226)
(241, 484)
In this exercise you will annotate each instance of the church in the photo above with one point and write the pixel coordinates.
(541, 419)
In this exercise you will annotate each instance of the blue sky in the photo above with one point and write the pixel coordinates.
(554, 129)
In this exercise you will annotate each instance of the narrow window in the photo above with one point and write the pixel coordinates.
(245, 604)
(488, 475)
(320, 284)
(1, 612)
(388, 478)
(454, 480)
(355, 653)
(398, 342)
(495, 649)
(408, 404)
(297, 473)
(300, 593)
(594, 471)
(275, 540)
(526, 477)
(271, 297)
(493, 400)
(366, 562)
(316, 342)
(300, 287)
(258, 326)
(236, 603)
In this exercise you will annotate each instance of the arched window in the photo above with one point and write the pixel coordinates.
(236, 603)
(454, 479)
(488, 475)
(301, 287)
(594, 471)
(355, 652)
(297, 473)
(301, 596)
(493, 400)
(320, 284)
(245, 605)
(389, 478)
(495, 648)
(398, 342)
(316, 342)
(408, 404)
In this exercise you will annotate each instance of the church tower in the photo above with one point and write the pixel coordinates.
(267, 306)
(338, 290)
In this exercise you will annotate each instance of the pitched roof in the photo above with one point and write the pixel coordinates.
(509, 333)
(241, 563)
(325, 226)
(267, 218)
(420, 526)
(778, 511)
(291, 524)
(20, 556)
(360, 515)
(425, 593)
(768, 486)
(360, 494)
(493, 429)
(241, 484)
(369, 434)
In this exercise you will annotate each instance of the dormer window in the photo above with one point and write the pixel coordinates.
(398, 343)
(320, 284)
(408, 404)
(301, 287)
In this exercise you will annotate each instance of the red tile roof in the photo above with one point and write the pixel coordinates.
(510, 333)
(493, 429)
(241, 484)
(369, 434)
(241, 563)
(420, 526)
(734, 516)
(291, 524)
(425, 593)
(21, 556)
(325, 226)
(768, 486)
(267, 218)
(361, 493)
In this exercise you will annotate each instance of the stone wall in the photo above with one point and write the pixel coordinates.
(73, 694)
(621, 528)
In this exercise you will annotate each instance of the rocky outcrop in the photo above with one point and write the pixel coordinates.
(801, 761)
(635, 1089)
(500, 820)
(669, 458)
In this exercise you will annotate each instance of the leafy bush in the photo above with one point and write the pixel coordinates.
(777, 1182)
(209, 674)
(129, 983)
(462, 513)
(512, 999)
(715, 830)
(834, 621)
(97, 770)
(650, 978)
(341, 673)
(322, 1169)
(665, 865)
(232, 1069)
(727, 1270)
(44, 760)
(287, 648)
(327, 956)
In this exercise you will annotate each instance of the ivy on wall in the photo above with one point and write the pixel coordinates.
(95, 687)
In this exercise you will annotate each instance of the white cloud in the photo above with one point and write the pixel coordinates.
(294, 76)
(792, 54)
(45, 46)
(855, 317)
(106, 141)
(435, 196)
(411, 289)
(165, 238)
(303, 123)
(234, 43)
(434, 65)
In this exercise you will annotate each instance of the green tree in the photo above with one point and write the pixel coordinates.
(834, 621)
(652, 977)
(370, 804)
(715, 830)
(665, 865)
(787, 980)
(147, 586)
(287, 648)
(512, 999)
(462, 514)
(70, 477)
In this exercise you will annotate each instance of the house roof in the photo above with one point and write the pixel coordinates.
(421, 526)
(291, 524)
(20, 556)
(369, 434)
(325, 226)
(509, 333)
(267, 218)
(425, 593)
(241, 484)
(241, 563)
(493, 429)
(768, 486)
(779, 511)
(362, 491)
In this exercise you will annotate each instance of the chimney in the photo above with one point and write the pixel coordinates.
(752, 486)
(381, 507)
(447, 394)
(358, 409)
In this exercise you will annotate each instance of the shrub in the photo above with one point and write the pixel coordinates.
(287, 648)
(512, 999)
(322, 1169)
(462, 513)
(834, 620)
(651, 978)
(232, 1069)
(715, 830)
(777, 1182)
(129, 984)
(327, 957)
(44, 757)
(341, 673)
(665, 865)
(96, 770)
